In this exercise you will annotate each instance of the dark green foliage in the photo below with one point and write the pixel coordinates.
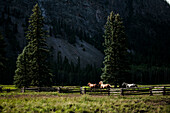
(23, 71)
(68, 73)
(115, 50)
(3, 59)
(40, 73)
(38, 52)
(149, 42)
(143, 74)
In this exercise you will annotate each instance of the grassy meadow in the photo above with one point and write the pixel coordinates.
(45, 102)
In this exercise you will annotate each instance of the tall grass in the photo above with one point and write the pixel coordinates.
(54, 102)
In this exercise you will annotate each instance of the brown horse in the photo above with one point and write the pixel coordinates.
(92, 85)
(104, 85)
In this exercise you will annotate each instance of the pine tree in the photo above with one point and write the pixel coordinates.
(32, 63)
(22, 73)
(36, 35)
(2, 59)
(115, 65)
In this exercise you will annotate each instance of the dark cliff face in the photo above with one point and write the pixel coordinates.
(146, 23)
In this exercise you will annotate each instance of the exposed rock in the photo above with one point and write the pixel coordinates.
(143, 21)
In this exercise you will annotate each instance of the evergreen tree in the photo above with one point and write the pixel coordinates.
(22, 73)
(32, 63)
(115, 66)
(2, 59)
(36, 35)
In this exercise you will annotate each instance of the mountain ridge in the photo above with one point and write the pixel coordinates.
(72, 21)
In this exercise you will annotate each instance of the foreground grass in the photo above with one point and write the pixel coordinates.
(69, 103)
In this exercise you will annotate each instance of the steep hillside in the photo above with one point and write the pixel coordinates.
(76, 28)
(87, 53)
(146, 23)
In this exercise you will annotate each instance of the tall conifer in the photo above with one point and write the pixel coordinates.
(36, 35)
(22, 73)
(34, 56)
(115, 65)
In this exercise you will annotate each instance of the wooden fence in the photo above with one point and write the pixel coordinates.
(163, 90)
(7, 90)
(40, 89)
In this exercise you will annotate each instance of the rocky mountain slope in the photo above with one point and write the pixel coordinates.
(146, 23)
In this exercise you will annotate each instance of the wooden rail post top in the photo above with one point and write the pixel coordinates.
(122, 92)
(59, 90)
(23, 90)
(81, 90)
(84, 90)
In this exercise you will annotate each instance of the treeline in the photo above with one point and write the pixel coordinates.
(149, 50)
(144, 74)
(9, 29)
(67, 73)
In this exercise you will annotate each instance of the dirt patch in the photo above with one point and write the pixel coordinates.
(35, 96)
(45, 96)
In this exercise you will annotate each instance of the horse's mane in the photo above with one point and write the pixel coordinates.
(101, 82)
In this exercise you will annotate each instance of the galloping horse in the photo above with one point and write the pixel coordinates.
(104, 85)
(126, 85)
(92, 85)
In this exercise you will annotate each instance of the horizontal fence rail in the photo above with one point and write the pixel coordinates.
(40, 89)
(163, 90)
(7, 90)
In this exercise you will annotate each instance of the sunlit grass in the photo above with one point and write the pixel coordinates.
(54, 102)
(31, 101)
(154, 85)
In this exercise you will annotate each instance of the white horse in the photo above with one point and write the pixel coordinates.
(126, 85)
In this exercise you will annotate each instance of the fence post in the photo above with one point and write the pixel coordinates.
(151, 93)
(38, 89)
(84, 90)
(23, 90)
(81, 90)
(59, 90)
(108, 91)
(164, 91)
(122, 92)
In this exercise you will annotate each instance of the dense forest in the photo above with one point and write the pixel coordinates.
(146, 29)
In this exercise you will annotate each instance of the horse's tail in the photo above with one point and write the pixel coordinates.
(108, 86)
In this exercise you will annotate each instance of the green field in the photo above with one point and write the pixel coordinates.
(44, 102)
(69, 103)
